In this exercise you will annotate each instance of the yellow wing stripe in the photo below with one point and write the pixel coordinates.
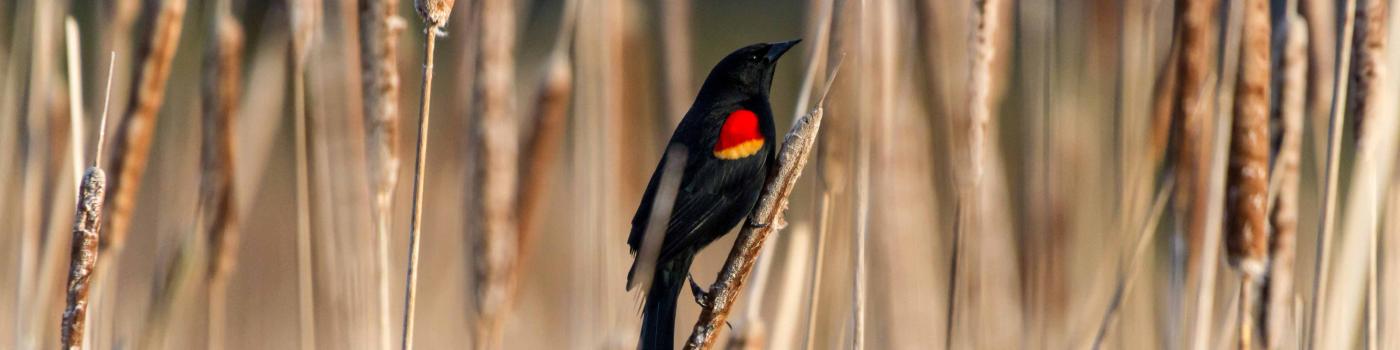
(745, 149)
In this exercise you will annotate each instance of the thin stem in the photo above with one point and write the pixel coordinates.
(411, 288)
(1329, 194)
(305, 306)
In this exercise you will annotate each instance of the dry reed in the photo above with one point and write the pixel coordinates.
(1336, 123)
(434, 14)
(379, 29)
(1372, 102)
(1278, 294)
(675, 44)
(766, 217)
(217, 203)
(496, 246)
(304, 18)
(1125, 276)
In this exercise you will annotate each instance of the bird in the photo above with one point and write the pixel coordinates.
(727, 139)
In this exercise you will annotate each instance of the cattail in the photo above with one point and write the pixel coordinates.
(1369, 41)
(86, 241)
(496, 246)
(379, 29)
(1284, 214)
(1247, 236)
(86, 225)
(435, 12)
(223, 59)
(137, 129)
(434, 15)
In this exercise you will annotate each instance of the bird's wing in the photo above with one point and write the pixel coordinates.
(711, 191)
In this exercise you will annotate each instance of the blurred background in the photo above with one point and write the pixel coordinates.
(990, 174)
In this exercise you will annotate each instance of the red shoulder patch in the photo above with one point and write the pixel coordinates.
(739, 137)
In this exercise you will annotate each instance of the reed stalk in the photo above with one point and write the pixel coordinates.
(1278, 291)
(1336, 123)
(217, 203)
(1373, 106)
(305, 16)
(434, 14)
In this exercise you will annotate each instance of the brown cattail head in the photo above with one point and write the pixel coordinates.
(434, 12)
(1247, 235)
(86, 223)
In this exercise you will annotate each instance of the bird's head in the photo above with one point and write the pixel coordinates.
(748, 70)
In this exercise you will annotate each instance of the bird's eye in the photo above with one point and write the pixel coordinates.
(753, 57)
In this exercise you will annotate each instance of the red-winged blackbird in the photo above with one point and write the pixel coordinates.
(728, 135)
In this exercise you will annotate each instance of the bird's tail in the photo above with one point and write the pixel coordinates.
(659, 310)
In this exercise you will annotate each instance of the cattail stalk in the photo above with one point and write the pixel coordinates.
(379, 29)
(137, 129)
(766, 217)
(1283, 216)
(434, 14)
(497, 245)
(223, 66)
(1247, 233)
(87, 224)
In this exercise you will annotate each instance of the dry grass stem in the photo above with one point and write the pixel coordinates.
(766, 217)
(218, 210)
(1336, 123)
(379, 29)
(305, 16)
(497, 166)
(1278, 291)
(434, 14)
(1125, 280)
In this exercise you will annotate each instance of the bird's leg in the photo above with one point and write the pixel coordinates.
(700, 294)
(753, 224)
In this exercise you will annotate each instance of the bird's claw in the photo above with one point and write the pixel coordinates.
(758, 224)
(700, 295)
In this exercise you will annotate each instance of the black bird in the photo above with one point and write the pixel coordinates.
(728, 136)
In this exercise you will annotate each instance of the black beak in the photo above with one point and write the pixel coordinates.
(776, 50)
